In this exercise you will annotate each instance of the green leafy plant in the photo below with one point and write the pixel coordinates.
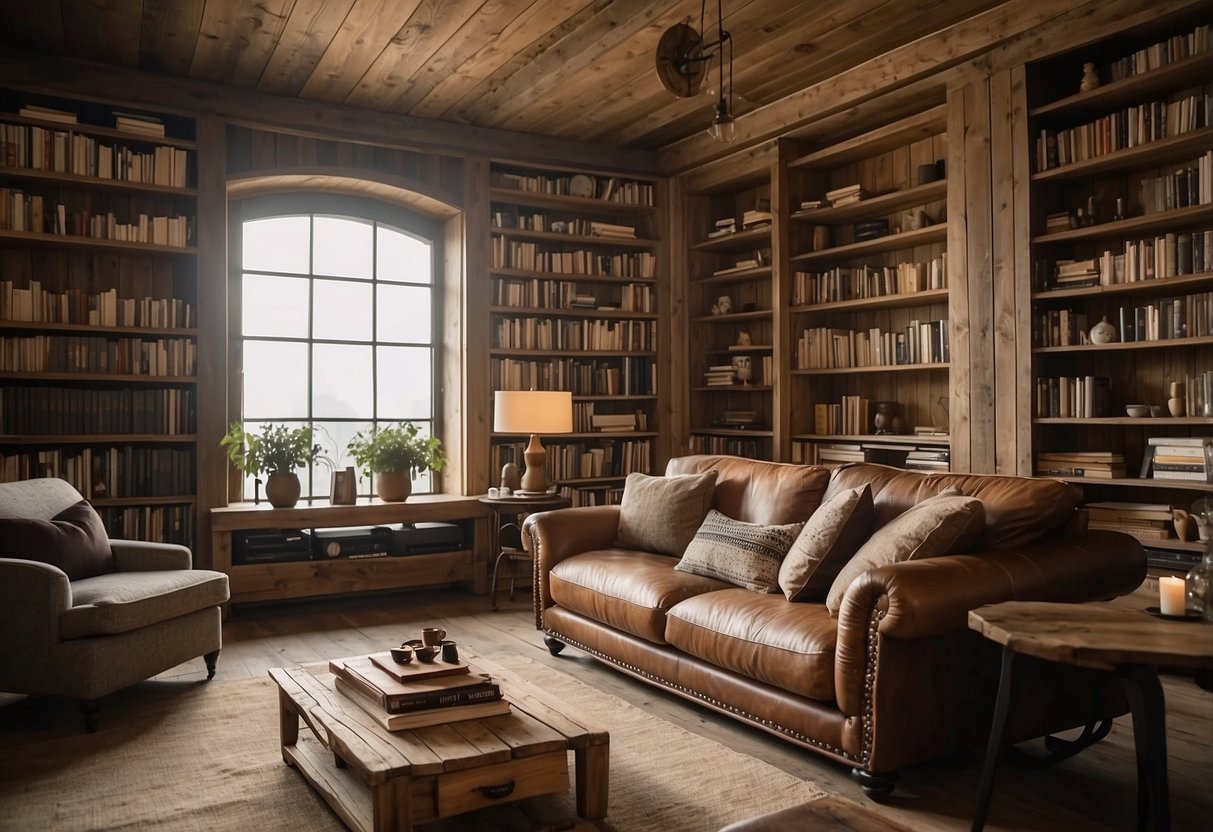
(398, 447)
(275, 448)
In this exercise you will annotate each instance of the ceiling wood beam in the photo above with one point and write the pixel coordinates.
(128, 88)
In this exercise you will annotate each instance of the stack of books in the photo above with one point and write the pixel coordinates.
(402, 697)
(833, 454)
(47, 114)
(720, 375)
(1145, 521)
(723, 226)
(607, 229)
(929, 459)
(1057, 221)
(1100, 465)
(738, 419)
(1176, 458)
(138, 123)
(846, 195)
(755, 218)
(1074, 274)
(613, 422)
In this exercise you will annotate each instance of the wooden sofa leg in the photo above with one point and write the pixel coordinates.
(211, 658)
(554, 645)
(875, 786)
(92, 715)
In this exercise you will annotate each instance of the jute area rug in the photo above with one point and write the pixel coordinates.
(205, 756)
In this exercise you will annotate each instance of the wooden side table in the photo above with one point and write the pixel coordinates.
(508, 514)
(1126, 642)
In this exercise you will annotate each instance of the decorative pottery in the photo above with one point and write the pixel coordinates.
(1178, 403)
(1090, 78)
(511, 478)
(393, 486)
(886, 419)
(743, 368)
(282, 489)
(1103, 333)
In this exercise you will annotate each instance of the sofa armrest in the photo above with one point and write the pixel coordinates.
(932, 597)
(33, 598)
(552, 536)
(140, 556)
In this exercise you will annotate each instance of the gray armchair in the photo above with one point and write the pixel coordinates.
(84, 628)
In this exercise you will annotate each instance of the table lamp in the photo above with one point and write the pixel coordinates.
(533, 412)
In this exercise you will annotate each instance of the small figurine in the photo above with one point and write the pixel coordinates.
(723, 305)
(1090, 78)
(743, 338)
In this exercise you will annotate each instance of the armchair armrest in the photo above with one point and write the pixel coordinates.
(552, 536)
(932, 597)
(33, 597)
(140, 556)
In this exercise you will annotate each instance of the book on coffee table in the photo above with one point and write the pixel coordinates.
(420, 719)
(394, 696)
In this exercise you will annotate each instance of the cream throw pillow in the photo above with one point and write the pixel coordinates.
(946, 524)
(662, 514)
(831, 536)
(745, 554)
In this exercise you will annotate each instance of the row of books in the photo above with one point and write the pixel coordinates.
(577, 226)
(416, 695)
(20, 211)
(1167, 255)
(1145, 521)
(565, 334)
(141, 123)
(852, 415)
(62, 151)
(911, 457)
(543, 293)
(1084, 397)
(1177, 458)
(706, 443)
(919, 342)
(56, 411)
(579, 495)
(99, 473)
(74, 306)
(1104, 465)
(523, 254)
(1157, 55)
(1190, 185)
(622, 376)
(860, 282)
(586, 418)
(606, 457)
(161, 357)
(606, 188)
(846, 195)
(155, 524)
(1131, 127)
(1189, 316)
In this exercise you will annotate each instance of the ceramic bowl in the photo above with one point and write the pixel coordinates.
(427, 652)
(1137, 410)
(402, 654)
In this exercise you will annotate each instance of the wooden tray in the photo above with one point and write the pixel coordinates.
(416, 669)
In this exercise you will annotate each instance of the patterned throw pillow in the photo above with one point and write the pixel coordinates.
(661, 514)
(745, 554)
(946, 524)
(834, 532)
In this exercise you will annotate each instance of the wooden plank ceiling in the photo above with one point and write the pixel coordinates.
(576, 69)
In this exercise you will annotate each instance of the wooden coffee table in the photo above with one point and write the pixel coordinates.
(376, 779)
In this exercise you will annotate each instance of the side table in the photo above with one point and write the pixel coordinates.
(508, 514)
(1126, 642)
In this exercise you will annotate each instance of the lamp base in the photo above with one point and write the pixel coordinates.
(534, 479)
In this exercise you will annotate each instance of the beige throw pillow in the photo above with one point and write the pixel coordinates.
(662, 514)
(745, 554)
(946, 524)
(831, 536)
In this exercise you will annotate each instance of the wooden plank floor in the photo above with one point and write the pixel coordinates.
(1093, 791)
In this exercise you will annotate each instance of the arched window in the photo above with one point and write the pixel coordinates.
(335, 322)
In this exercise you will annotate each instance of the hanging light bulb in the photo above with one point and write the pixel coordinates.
(724, 126)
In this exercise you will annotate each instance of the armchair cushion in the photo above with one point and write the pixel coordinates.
(125, 601)
(74, 540)
(662, 514)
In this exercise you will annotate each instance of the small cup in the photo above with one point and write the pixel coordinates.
(1156, 410)
(427, 653)
(450, 651)
(432, 636)
(402, 654)
(494, 493)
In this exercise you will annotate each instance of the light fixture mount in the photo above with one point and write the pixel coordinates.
(681, 64)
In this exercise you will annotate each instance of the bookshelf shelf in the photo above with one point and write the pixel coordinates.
(889, 242)
(92, 243)
(883, 302)
(1188, 71)
(734, 388)
(874, 438)
(99, 439)
(1145, 422)
(111, 502)
(567, 312)
(736, 276)
(1162, 285)
(571, 204)
(503, 352)
(756, 433)
(734, 317)
(575, 239)
(498, 271)
(89, 329)
(1162, 220)
(20, 174)
(106, 377)
(881, 368)
(1144, 482)
(748, 238)
(1165, 343)
(1159, 152)
(876, 206)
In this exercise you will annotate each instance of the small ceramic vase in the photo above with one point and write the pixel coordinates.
(1178, 403)
(743, 368)
(1103, 333)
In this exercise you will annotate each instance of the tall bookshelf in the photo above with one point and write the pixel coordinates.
(573, 276)
(1121, 228)
(98, 331)
(868, 297)
(731, 307)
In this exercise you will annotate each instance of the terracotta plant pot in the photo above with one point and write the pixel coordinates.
(282, 489)
(393, 486)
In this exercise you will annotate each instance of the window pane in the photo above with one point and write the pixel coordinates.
(342, 311)
(404, 313)
(403, 259)
(275, 380)
(277, 244)
(405, 383)
(274, 306)
(341, 381)
(343, 247)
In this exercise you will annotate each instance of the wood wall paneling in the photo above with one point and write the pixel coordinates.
(476, 397)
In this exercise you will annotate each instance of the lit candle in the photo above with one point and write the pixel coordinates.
(1171, 596)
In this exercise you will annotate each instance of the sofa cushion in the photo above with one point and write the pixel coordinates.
(762, 637)
(830, 537)
(125, 601)
(627, 590)
(771, 493)
(745, 554)
(74, 540)
(946, 524)
(662, 514)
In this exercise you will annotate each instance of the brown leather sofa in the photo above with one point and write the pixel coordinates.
(897, 678)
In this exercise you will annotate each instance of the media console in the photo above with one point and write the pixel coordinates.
(277, 580)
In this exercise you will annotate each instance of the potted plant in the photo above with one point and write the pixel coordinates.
(395, 453)
(277, 450)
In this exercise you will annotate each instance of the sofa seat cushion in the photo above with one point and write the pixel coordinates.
(123, 601)
(764, 637)
(628, 590)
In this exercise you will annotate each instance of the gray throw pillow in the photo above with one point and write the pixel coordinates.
(662, 514)
(946, 524)
(745, 554)
(830, 537)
